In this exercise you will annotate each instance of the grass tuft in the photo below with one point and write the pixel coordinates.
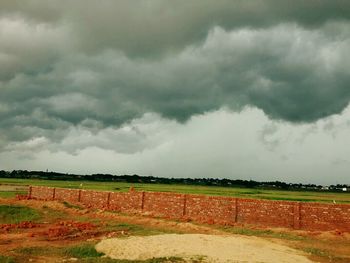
(69, 205)
(316, 252)
(135, 230)
(262, 233)
(15, 214)
(83, 251)
(5, 259)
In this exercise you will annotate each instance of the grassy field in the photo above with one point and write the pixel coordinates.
(207, 190)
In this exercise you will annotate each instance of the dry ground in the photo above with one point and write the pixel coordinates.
(63, 226)
(207, 248)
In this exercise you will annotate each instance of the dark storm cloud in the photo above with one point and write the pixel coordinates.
(99, 64)
(153, 27)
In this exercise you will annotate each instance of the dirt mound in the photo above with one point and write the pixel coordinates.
(209, 248)
(65, 229)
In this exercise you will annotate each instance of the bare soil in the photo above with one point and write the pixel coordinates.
(208, 248)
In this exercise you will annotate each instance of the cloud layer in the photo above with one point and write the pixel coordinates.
(76, 73)
(245, 145)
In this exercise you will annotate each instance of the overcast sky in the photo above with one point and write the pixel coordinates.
(227, 89)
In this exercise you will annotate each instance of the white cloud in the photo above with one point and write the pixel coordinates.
(245, 145)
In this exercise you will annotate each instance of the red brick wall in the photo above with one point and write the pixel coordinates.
(126, 202)
(94, 199)
(318, 216)
(41, 192)
(211, 209)
(208, 209)
(69, 195)
(169, 205)
(272, 213)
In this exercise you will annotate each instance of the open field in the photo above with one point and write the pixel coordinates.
(304, 196)
(54, 231)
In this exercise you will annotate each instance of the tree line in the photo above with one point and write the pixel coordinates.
(48, 175)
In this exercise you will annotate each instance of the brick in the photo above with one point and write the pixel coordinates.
(208, 209)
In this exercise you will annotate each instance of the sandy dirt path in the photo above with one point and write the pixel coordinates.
(209, 248)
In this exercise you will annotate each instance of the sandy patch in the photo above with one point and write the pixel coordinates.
(213, 248)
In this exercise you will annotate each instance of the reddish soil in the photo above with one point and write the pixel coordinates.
(59, 230)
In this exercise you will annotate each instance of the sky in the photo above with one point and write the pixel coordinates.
(213, 88)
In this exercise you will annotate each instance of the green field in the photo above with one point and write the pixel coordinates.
(305, 196)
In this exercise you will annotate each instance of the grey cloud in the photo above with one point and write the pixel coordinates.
(290, 73)
(111, 62)
(150, 28)
(29, 48)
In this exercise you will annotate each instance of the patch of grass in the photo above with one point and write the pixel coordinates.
(14, 214)
(321, 253)
(262, 233)
(86, 253)
(316, 252)
(32, 251)
(5, 259)
(198, 259)
(135, 230)
(252, 192)
(39, 251)
(51, 214)
(298, 199)
(69, 205)
(10, 194)
(83, 251)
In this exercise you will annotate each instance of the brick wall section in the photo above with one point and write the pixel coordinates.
(94, 199)
(318, 216)
(130, 202)
(211, 209)
(272, 213)
(170, 205)
(68, 195)
(208, 209)
(41, 192)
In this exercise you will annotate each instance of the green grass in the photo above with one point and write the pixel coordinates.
(322, 253)
(5, 259)
(135, 230)
(262, 233)
(83, 251)
(39, 251)
(51, 215)
(10, 194)
(15, 214)
(303, 196)
(316, 252)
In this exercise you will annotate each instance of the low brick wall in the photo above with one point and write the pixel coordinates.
(208, 209)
